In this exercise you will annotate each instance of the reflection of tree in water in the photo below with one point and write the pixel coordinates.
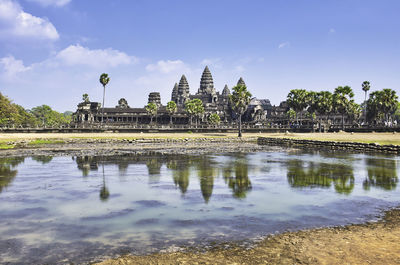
(104, 192)
(240, 183)
(320, 175)
(7, 171)
(154, 165)
(180, 173)
(382, 173)
(42, 159)
(206, 171)
(87, 164)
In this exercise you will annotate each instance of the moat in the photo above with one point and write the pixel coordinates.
(85, 208)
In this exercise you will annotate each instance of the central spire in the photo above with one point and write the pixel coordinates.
(206, 82)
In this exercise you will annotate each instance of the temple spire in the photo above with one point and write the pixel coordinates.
(174, 95)
(241, 82)
(183, 90)
(206, 82)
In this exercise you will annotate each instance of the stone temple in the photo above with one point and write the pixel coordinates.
(258, 111)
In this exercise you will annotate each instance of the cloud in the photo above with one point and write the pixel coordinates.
(332, 30)
(79, 55)
(283, 45)
(57, 3)
(239, 68)
(166, 67)
(14, 22)
(11, 66)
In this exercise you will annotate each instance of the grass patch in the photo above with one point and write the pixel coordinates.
(44, 141)
(4, 146)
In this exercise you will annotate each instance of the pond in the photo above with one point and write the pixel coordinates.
(82, 209)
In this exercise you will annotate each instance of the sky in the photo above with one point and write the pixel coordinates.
(53, 51)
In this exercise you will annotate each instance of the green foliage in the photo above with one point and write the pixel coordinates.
(382, 105)
(13, 114)
(324, 103)
(85, 97)
(297, 99)
(342, 99)
(151, 109)
(291, 114)
(214, 118)
(240, 99)
(171, 107)
(194, 107)
(48, 117)
(104, 79)
(365, 86)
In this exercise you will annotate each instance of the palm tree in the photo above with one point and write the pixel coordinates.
(151, 109)
(240, 99)
(342, 98)
(324, 105)
(85, 97)
(312, 105)
(365, 87)
(297, 100)
(190, 109)
(171, 108)
(389, 102)
(104, 79)
(195, 108)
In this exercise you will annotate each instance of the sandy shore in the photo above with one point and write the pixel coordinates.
(371, 243)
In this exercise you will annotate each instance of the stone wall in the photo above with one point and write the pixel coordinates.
(331, 145)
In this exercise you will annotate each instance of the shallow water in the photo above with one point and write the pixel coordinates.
(81, 209)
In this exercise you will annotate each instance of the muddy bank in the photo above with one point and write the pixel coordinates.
(371, 243)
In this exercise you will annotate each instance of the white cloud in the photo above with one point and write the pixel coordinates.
(166, 67)
(332, 30)
(283, 45)
(11, 66)
(14, 22)
(78, 55)
(57, 3)
(239, 68)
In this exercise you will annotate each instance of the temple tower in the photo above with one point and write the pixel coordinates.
(154, 97)
(241, 82)
(226, 92)
(206, 83)
(183, 91)
(174, 95)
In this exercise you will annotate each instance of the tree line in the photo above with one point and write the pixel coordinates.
(382, 106)
(12, 114)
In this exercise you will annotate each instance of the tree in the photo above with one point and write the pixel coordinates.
(312, 105)
(49, 117)
(195, 108)
(342, 98)
(291, 114)
(171, 108)
(151, 109)
(365, 87)
(382, 105)
(297, 100)
(104, 79)
(85, 97)
(214, 118)
(240, 99)
(324, 105)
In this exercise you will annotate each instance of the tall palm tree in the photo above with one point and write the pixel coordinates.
(342, 98)
(171, 108)
(389, 102)
(104, 79)
(365, 87)
(240, 99)
(312, 105)
(297, 100)
(324, 105)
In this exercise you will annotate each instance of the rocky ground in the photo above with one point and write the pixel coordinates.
(371, 243)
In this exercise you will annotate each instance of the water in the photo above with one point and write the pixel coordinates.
(82, 209)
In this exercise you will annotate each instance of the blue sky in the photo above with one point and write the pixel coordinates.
(53, 51)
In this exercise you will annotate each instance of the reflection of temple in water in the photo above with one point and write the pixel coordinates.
(181, 167)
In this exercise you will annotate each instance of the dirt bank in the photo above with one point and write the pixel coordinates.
(371, 243)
